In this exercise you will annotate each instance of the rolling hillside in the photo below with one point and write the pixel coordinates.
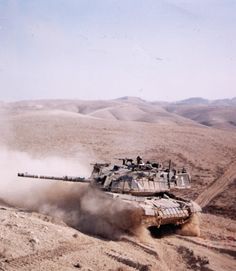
(62, 137)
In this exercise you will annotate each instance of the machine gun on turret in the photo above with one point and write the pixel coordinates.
(126, 161)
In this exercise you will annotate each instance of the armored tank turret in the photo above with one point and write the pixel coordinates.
(145, 185)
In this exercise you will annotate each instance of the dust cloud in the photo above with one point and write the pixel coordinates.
(191, 228)
(79, 205)
(90, 210)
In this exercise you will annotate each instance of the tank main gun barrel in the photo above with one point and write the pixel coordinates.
(64, 178)
(125, 158)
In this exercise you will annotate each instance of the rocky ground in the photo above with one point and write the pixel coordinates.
(32, 241)
(58, 142)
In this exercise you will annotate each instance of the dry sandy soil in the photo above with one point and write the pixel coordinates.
(64, 137)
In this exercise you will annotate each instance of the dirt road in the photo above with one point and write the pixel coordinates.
(218, 186)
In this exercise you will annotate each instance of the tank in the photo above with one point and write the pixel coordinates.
(146, 185)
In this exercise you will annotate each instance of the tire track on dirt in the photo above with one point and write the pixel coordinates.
(129, 262)
(144, 248)
(230, 250)
(218, 186)
(42, 255)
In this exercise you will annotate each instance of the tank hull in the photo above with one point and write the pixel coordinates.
(161, 209)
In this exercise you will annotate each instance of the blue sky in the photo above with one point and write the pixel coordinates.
(104, 49)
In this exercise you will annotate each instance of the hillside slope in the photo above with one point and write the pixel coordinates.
(207, 152)
(58, 138)
(220, 114)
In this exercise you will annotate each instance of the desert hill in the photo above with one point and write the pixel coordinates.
(213, 113)
(128, 109)
(62, 137)
(202, 101)
(123, 127)
(220, 114)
